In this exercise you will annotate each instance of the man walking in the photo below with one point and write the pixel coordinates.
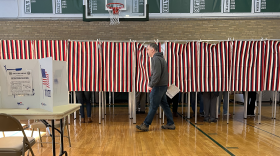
(158, 86)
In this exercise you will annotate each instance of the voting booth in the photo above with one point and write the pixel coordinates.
(29, 84)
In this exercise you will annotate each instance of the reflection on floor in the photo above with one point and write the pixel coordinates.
(117, 135)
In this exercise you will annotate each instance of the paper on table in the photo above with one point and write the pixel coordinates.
(172, 91)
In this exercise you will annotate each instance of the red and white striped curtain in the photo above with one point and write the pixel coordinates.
(246, 66)
(211, 67)
(143, 68)
(271, 63)
(117, 67)
(198, 66)
(16, 49)
(84, 66)
(57, 49)
(194, 66)
(178, 68)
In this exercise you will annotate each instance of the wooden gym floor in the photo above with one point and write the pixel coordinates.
(117, 135)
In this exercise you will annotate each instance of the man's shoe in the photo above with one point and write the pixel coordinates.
(175, 114)
(140, 112)
(89, 120)
(168, 127)
(142, 127)
(82, 120)
(229, 114)
(205, 120)
(201, 114)
(214, 120)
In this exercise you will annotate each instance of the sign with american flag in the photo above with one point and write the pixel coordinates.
(45, 79)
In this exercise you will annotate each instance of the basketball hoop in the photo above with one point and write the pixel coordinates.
(114, 12)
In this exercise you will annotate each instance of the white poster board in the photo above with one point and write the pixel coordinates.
(60, 83)
(19, 100)
(33, 84)
(46, 96)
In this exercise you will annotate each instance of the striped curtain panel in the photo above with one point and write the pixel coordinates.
(181, 65)
(16, 49)
(143, 68)
(84, 66)
(57, 49)
(246, 68)
(271, 63)
(210, 65)
(117, 67)
(224, 52)
(175, 63)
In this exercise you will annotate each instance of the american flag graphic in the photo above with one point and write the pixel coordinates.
(45, 77)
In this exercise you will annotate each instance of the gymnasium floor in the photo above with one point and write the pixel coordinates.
(118, 136)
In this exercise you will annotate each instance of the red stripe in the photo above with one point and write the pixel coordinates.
(83, 65)
(55, 50)
(78, 66)
(239, 85)
(26, 46)
(269, 53)
(87, 61)
(123, 67)
(91, 65)
(75, 51)
(274, 55)
(224, 77)
(17, 49)
(13, 49)
(96, 58)
(8, 49)
(30, 50)
(5, 49)
(278, 78)
(69, 67)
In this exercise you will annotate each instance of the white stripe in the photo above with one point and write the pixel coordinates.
(27, 45)
(10, 49)
(71, 65)
(189, 67)
(83, 54)
(15, 49)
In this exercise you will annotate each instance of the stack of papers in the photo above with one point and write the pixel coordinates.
(172, 91)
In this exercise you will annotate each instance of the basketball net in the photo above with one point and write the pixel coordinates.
(114, 11)
(114, 16)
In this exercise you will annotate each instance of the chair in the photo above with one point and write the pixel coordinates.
(14, 146)
(40, 125)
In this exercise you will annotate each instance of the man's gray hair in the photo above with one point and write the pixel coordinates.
(154, 46)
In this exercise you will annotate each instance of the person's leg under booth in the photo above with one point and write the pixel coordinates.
(192, 100)
(207, 102)
(84, 97)
(213, 102)
(210, 100)
(251, 106)
(87, 95)
(140, 101)
(80, 98)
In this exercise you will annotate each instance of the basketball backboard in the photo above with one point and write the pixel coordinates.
(134, 10)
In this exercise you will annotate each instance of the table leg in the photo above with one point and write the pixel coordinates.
(53, 138)
(61, 139)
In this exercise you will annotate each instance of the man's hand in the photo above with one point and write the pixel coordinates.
(149, 88)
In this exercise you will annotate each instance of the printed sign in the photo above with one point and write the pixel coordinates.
(19, 82)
